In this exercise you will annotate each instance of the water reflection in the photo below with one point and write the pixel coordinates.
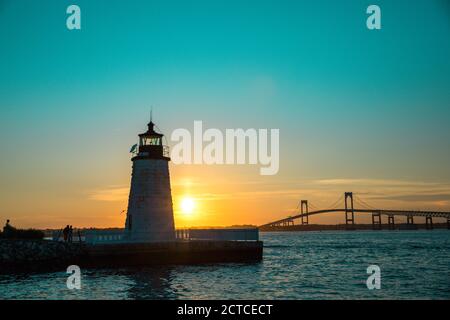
(151, 283)
(321, 265)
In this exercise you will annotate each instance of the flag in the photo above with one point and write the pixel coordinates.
(133, 148)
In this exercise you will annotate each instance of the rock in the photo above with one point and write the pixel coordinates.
(18, 254)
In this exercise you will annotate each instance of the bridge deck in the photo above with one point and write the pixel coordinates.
(434, 214)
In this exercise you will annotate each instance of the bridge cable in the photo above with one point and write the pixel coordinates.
(310, 205)
(294, 211)
(364, 203)
(335, 203)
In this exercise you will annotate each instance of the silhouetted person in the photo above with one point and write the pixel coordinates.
(70, 233)
(66, 233)
(7, 229)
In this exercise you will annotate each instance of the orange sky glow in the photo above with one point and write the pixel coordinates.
(220, 196)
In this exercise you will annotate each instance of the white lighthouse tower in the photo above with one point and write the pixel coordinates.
(150, 212)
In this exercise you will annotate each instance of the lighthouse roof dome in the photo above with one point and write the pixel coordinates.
(151, 131)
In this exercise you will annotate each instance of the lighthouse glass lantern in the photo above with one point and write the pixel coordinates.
(150, 144)
(150, 210)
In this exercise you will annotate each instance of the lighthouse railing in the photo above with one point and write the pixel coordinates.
(104, 236)
(244, 234)
(166, 151)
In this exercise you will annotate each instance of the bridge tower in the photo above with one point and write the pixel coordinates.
(391, 222)
(429, 222)
(410, 219)
(349, 210)
(304, 210)
(376, 220)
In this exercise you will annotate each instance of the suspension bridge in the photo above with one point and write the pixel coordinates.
(349, 209)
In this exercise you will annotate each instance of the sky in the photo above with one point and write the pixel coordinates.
(358, 110)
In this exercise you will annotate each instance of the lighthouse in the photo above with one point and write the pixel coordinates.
(150, 211)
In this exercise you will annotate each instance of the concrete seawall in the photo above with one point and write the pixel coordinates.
(41, 255)
(177, 252)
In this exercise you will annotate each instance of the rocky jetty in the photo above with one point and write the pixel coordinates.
(42, 255)
(30, 255)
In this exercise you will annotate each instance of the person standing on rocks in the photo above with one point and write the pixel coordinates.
(70, 233)
(66, 233)
(7, 229)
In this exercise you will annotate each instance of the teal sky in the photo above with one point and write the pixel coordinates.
(350, 103)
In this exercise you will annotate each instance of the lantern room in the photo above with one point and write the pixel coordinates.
(151, 144)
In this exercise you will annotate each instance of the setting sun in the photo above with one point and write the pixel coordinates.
(187, 205)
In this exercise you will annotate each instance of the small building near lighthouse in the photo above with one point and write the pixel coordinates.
(150, 211)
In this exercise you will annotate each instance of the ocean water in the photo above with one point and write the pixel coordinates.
(308, 265)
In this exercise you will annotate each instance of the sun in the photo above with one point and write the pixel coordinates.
(187, 205)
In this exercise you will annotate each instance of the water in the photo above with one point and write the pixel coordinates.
(310, 265)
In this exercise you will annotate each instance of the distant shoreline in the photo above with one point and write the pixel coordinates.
(311, 227)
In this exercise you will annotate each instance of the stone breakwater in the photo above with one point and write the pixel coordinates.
(30, 255)
(41, 255)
